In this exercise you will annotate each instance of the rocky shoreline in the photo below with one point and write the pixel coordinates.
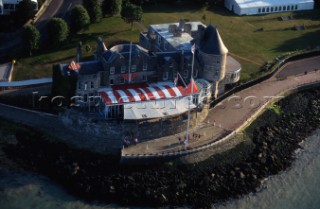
(272, 139)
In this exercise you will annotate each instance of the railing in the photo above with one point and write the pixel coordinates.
(274, 70)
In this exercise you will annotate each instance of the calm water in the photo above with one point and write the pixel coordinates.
(296, 188)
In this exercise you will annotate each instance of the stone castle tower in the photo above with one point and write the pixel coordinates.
(213, 55)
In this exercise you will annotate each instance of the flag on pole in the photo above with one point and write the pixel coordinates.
(193, 48)
(74, 66)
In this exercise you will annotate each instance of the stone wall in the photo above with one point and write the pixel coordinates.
(95, 126)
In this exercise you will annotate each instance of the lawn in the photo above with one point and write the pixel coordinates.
(253, 40)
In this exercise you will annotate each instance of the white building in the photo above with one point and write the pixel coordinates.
(253, 7)
(9, 6)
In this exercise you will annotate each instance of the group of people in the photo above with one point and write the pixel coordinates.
(127, 142)
(195, 136)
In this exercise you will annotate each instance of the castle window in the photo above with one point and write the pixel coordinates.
(122, 80)
(280, 8)
(276, 9)
(292, 7)
(185, 73)
(145, 66)
(112, 70)
(284, 8)
(259, 10)
(268, 9)
(271, 9)
(133, 68)
(296, 7)
(159, 39)
(165, 75)
(144, 77)
(111, 81)
(288, 7)
(123, 69)
(263, 9)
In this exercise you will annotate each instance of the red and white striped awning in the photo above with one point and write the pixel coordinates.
(143, 93)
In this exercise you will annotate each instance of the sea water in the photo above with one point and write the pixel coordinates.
(296, 188)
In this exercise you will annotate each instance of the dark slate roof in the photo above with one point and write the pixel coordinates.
(88, 68)
(211, 42)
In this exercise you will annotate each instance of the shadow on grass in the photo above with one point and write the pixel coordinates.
(309, 40)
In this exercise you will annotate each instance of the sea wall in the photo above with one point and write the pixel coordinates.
(231, 174)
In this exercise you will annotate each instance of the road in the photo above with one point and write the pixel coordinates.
(56, 8)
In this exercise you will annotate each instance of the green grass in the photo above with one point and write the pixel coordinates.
(250, 47)
(275, 108)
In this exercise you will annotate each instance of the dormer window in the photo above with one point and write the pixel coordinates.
(112, 70)
(133, 68)
(165, 76)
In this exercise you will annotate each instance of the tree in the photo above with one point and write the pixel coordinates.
(25, 10)
(79, 19)
(111, 7)
(31, 38)
(131, 13)
(57, 30)
(94, 9)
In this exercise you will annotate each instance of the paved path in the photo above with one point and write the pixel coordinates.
(232, 112)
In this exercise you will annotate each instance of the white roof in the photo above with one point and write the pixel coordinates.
(180, 43)
(265, 3)
(156, 109)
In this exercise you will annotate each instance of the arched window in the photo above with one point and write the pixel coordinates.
(284, 8)
(292, 7)
(271, 9)
(268, 9)
(288, 7)
(259, 10)
(280, 8)
(276, 9)
(263, 10)
(296, 7)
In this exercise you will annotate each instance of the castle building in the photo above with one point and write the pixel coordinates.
(146, 80)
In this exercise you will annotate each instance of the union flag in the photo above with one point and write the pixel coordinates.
(74, 66)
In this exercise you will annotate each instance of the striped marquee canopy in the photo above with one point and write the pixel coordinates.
(143, 93)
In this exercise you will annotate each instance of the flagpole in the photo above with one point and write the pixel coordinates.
(191, 98)
(129, 71)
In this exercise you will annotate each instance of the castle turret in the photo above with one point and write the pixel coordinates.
(213, 54)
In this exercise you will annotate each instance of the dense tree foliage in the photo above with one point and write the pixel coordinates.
(25, 10)
(111, 7)
(58, 30)
(131, 13)
(79, 18)
(31, 38)
(94, 9)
